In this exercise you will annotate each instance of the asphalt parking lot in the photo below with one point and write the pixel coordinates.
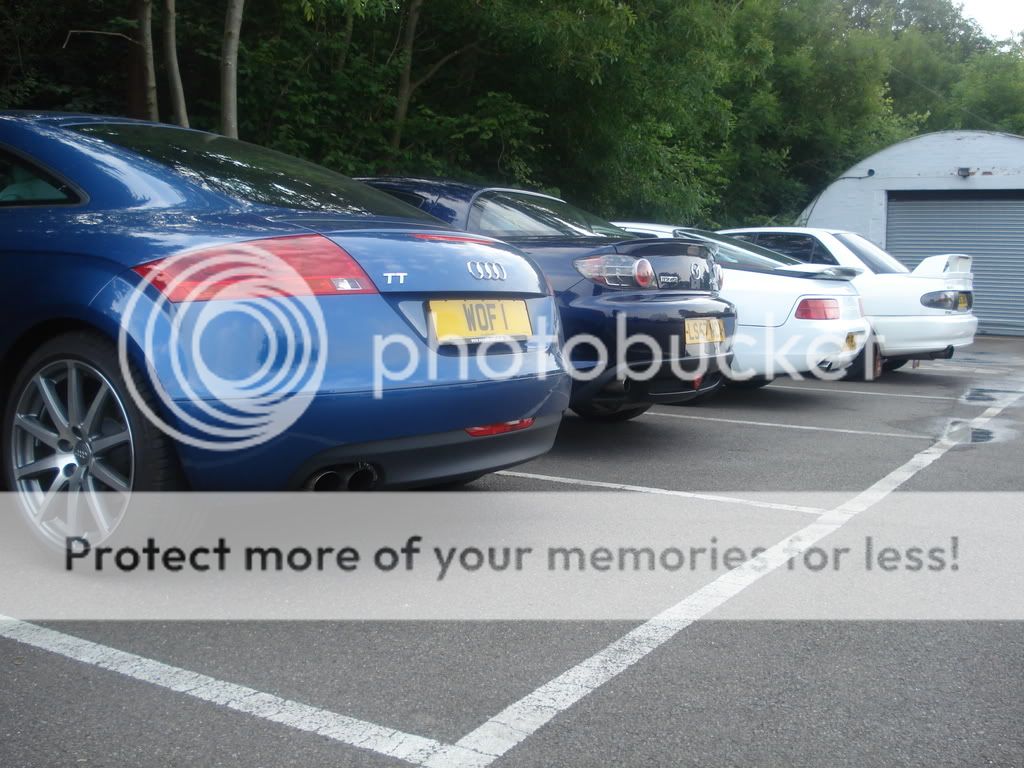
(714, 693)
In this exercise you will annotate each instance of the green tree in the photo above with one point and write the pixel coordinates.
(990, 94)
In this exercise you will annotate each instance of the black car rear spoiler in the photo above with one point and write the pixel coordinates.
(661, 246)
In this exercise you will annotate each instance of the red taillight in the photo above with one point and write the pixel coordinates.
(499, 428)
(643, 273)
(297, 265)
(453, 238)
(818, 309)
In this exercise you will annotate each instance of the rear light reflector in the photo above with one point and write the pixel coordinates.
(818, 309)
(499, 428)
(297, 265)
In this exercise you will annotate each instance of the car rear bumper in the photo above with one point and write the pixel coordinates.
(434, 459)
(906, 336)
(798, 347)
(624, 323)
(411, 436)
(675, 381)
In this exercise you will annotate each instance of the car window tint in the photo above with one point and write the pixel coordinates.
(521, 214)
(24, 184)
(874, 258)
(411, 198)
(799, 247)
(821, 254)
(739, 254)
(254, 174)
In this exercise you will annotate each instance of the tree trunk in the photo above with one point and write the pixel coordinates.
(229, 69)
(350, 23)
(405, 80)
(171, 61)
(144, 11)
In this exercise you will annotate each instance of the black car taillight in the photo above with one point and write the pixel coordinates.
(616, 270)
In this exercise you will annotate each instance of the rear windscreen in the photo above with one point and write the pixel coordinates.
(251, 173)
(511, 214)
(739, 254)
(874, 258)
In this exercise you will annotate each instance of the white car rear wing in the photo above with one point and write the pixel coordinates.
(957, 263)
(818, 271)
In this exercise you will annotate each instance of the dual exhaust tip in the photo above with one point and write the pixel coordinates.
(344, 477)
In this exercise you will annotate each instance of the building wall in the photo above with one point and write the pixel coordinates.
(857, 200)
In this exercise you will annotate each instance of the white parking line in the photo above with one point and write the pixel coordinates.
(960, 373)
(517, 722)
(378, 738)
(664, 492)
(841, 391)
(520, 720)
(962, 368)
(907, 435)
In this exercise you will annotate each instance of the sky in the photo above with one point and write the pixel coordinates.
(998, 18)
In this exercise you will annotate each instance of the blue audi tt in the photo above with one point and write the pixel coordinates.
(185, 310)
(611, 287)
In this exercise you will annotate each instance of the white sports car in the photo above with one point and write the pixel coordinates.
(792, 318)
(919, 315)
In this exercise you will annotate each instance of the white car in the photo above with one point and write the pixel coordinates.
(792, 318)
(921, 315)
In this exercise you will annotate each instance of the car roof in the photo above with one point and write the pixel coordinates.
(647, 225)
(459, 190)
(792, 230)
(69, 118)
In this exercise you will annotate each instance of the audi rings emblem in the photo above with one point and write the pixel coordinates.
(486, 270)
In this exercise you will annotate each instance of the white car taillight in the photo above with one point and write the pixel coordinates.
(961, 301)
(818, 309)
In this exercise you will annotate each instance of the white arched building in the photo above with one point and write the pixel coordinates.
(945, 192)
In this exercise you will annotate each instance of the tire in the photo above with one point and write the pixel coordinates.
(858, 368)
(894, 365)
(609, 414)
(90, 457)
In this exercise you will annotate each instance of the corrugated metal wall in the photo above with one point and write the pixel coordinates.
(988, 226)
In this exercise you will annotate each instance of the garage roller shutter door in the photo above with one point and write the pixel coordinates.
(988, 226)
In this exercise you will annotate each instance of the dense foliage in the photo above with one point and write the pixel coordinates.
(709, 111)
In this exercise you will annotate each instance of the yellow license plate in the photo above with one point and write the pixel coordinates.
(473, 320)
(962, 302)
(703, 330)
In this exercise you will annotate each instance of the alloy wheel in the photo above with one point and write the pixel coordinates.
(72, 452)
